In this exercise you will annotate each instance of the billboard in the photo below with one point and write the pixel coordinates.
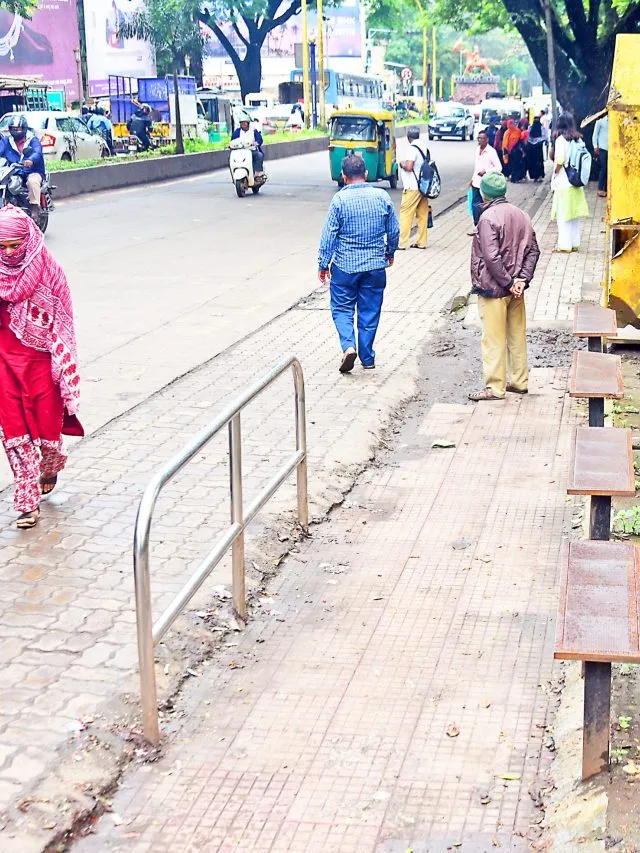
(43, 47)
(343, 35)
(109, 53)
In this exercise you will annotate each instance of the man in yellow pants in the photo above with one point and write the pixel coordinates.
(413, 204)
(504, 255)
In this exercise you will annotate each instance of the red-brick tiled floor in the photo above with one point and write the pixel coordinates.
(424, 606)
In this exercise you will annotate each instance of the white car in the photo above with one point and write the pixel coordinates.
(63, 136)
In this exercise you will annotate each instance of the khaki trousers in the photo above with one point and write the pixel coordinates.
(504, 343)
(413, 204)
(34, 185)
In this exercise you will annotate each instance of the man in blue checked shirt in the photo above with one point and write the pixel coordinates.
(359, 239)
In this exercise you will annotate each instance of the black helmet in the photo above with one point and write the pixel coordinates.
(18, 126)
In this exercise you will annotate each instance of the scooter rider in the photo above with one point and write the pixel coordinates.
(22, 146)
(246, 134)
(140, 124)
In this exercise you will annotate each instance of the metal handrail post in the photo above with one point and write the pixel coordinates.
(235, 486)
(301, 444)
(144, 619)
(148, 633)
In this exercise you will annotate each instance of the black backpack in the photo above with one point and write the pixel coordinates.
(429, 183)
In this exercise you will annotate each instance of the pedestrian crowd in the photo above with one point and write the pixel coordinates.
(362, 234)
(39, 382)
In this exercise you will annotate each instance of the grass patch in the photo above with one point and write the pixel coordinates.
(191, 146)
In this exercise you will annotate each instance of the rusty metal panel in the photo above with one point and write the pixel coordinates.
(591, 320)
(595, 374)
(598, 610)
(602, 463)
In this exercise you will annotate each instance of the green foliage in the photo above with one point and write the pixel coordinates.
(169, 25)
(627, 521)
(25, 8)
(584, 34)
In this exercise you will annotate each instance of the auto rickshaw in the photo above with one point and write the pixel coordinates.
(368, 133)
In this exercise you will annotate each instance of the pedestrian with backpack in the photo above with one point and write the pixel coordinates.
(572, 165)
(414, 204)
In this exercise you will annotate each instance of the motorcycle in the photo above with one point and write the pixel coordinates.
(14, 191)
(241, 168)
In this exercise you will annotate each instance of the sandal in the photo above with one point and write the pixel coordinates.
(28, 519)
(485, 394)
(415, 246)
(48, 484)
(348, 361)
(512, 389)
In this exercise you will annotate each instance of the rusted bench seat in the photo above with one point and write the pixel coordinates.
(601, 466)
(594, 322)
(597, 376)
(598, 623)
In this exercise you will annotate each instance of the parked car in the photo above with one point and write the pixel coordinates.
(63, 136)
(451, 119)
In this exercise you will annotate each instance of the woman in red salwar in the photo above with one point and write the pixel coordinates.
(39, 383)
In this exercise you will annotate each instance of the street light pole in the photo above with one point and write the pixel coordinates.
(434, 70)
(321, 104)
(306, 83)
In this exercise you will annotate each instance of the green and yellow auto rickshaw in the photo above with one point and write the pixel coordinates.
(368, 133)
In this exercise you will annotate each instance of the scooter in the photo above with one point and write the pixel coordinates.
(13, 191)
(241, 168)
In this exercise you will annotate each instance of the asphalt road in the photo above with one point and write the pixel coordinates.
(167, 276)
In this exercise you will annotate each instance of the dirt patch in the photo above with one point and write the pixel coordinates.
(623, 790)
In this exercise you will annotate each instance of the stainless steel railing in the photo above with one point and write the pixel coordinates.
(149, 633)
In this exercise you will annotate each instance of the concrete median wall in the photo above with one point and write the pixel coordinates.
(73, 182)
(93, 179)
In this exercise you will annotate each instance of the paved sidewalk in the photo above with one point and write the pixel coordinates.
(397, 703)
(67, 638)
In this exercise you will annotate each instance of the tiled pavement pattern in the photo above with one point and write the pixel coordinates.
(426, 603)
(67, 622)
(562, 280)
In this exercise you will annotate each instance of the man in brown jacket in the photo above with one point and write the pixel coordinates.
(504, 255)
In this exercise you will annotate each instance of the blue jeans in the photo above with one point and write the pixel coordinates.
(363, 291)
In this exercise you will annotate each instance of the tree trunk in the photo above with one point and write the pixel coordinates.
(249, 70)
(178, 116)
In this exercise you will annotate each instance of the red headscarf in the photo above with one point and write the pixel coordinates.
(40, 309)
(21, 271)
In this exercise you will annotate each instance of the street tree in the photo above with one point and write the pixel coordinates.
(584, 33)
(251, 22)
(172, 28)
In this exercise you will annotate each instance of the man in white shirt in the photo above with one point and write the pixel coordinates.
(413, 203)
(487, 160)
(601, 150)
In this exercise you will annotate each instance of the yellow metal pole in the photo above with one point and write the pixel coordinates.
(425, 61)
(321, 104)
(434, 69)
(306, 83)
(425, 53)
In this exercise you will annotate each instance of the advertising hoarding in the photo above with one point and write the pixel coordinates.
(44, 46)
(343, 37)
(109, 53)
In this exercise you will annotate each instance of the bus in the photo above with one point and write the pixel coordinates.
(346, 90)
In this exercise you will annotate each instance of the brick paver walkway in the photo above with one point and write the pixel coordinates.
(67, 639)
(401, 682)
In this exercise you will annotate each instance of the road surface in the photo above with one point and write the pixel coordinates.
(167, 276)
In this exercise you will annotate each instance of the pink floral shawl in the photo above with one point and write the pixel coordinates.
(40, 310)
